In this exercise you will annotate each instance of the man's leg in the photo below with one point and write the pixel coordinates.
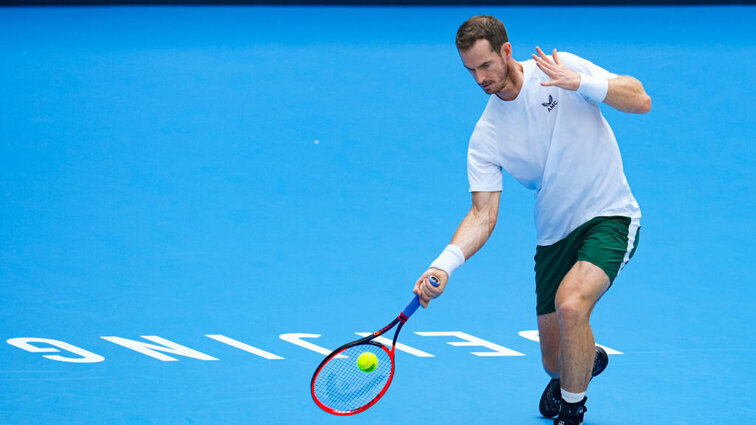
(548, 334)
(578, 293)
(548, 330)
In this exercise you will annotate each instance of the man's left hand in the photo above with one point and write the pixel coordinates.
(560, 75)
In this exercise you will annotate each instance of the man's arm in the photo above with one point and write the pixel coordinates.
(625, 93)
(479, 223)
(470, 236)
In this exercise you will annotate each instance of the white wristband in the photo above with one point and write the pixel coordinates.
(594, 88)
(449, 260)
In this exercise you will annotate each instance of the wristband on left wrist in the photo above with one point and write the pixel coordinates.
(594, 88)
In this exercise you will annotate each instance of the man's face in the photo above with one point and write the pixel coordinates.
(487, 68)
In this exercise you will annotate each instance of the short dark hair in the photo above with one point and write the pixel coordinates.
(482, 27)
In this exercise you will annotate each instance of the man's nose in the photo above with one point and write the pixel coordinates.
(479, 77)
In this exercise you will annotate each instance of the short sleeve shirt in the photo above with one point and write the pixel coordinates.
(557, 143)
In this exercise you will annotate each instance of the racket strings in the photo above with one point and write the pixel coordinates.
(342, 386)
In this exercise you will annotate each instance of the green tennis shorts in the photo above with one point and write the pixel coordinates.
(607, 242)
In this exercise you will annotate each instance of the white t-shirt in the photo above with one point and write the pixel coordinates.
(557, 143)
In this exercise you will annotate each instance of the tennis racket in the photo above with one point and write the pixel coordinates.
(340, 387)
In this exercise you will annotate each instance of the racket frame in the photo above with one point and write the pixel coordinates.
(400, 320)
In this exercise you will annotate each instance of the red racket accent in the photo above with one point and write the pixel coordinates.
(339, 387)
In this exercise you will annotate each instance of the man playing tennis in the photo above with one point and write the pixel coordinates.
(544, 127)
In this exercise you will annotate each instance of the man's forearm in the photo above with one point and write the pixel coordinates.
(626, 94)
(474, 231)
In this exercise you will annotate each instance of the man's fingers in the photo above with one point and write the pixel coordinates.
(423, 296)
(540, 53)
(427, 290)
(539, 62)
(538, 57)
(556, 57)
(543, 57)
(416, 288)
(548, 67)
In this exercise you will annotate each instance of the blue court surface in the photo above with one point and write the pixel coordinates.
(198, 202)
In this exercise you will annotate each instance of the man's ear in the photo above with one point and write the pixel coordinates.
(506, 50)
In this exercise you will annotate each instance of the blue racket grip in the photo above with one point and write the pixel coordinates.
(415, 303)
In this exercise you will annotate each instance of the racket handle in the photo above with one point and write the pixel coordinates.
(415, 303)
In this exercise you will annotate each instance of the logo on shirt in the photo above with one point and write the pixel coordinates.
(551, 104)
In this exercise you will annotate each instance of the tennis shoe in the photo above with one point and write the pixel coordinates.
(551, 398)
(571, 413)
(599, 362)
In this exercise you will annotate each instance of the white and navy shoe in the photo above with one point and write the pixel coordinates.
(571, 413)
(551, 398)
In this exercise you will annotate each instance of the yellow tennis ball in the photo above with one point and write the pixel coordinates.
(367, 362)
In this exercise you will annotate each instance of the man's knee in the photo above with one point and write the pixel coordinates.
(572, 309)
(579, 292)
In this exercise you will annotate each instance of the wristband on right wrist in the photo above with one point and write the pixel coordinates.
(450, 259)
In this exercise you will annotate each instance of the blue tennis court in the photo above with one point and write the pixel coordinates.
(198, 202)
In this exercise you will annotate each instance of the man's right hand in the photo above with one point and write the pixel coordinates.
(425, 291)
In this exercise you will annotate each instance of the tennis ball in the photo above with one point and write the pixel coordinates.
(367, 362)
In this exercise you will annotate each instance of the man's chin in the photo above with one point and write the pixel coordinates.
(490, 89)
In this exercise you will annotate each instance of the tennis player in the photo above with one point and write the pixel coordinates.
(544, 127)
